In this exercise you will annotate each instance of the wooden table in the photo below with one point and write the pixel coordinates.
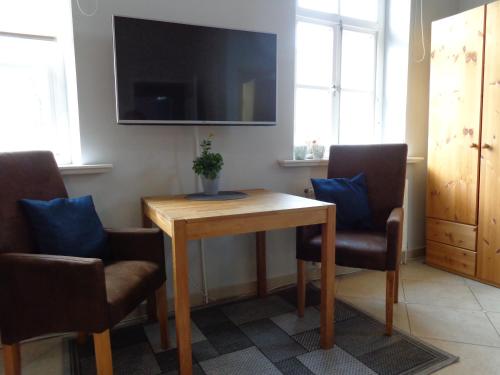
(262, 210)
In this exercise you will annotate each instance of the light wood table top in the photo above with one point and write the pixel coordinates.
(261, 210)
(258, 201)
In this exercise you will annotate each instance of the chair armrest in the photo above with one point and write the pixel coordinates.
(394, 231)
(49, 293)
(137, 244)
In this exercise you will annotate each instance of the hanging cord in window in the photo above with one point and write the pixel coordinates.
(85, 13)
(422, 32)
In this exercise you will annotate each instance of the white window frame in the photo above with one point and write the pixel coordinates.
(62, 83)
(340, 23)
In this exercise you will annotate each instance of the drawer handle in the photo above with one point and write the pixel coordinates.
(486, 146)
(474, 145)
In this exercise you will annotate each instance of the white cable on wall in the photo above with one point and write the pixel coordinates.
(422, 37)
(85, 13)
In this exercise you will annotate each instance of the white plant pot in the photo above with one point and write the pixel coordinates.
(210, 186)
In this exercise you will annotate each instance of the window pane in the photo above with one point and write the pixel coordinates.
(361, 9)
(314, 49)
(313, 116)
(358, 61)
(27, 96)
(31, 16)
(357, 120)
(327, 6)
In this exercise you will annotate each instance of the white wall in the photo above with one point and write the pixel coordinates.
(406, 95)
(396, 44)
(152, 160)
(157, 160)
(418, 106)
(469, 4)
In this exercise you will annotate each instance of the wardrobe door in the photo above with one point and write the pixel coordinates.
(455, 117)
(488, 242)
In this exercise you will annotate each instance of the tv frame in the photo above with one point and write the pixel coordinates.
(189, 122)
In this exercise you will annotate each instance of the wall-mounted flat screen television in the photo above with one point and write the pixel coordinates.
(177, 74)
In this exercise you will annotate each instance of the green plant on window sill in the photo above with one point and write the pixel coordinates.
(208, 164)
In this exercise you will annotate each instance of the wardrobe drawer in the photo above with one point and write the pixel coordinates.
(451, 257)
(455, 234)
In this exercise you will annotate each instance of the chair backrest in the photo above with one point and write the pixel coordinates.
(31, 175)
(385, 169)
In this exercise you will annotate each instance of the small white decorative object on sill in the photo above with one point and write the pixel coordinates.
(300, 152)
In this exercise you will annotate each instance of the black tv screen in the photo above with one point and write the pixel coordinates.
(178, 74)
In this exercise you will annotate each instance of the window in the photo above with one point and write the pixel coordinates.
(35, 63)
(338, 71)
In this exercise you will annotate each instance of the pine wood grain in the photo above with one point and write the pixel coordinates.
(259, 201)
(327, 309)
(489, 203)
(455, 117)
(262, 210)
(455, 234)
(450, 257)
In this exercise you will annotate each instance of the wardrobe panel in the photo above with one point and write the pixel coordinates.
(488, 243)
(455, 117)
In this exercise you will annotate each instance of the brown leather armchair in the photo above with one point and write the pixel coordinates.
(376, 249)
(42, 294)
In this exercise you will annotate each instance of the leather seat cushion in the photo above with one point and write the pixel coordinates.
(127, 282)
(360, 249)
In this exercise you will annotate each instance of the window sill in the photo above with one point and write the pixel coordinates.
(324, 162)
(85, 169)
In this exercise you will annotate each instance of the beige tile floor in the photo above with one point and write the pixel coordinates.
(446, 310)
(455, 314)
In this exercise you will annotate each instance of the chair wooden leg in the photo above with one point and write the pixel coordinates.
(12, 359)
(396, 285)
(151, 308)
(103, 357)
(162, 314)
(389, 301)
(81, 338)
(301, 287)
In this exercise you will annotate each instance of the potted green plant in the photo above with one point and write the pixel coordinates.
(208, 166)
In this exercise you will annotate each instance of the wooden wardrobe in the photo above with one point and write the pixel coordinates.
(463, 180)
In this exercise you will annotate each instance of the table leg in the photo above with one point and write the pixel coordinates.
(301, 287)
(261, 264)
(327, 315)
(181, 290)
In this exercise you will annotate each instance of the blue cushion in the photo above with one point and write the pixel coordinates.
(67, 226)
(351, 197)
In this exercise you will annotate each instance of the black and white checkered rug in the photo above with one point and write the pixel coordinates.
(265, 336)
